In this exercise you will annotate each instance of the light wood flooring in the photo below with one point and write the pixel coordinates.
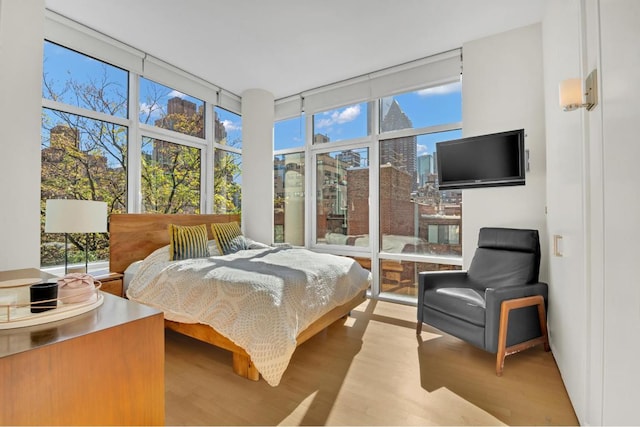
(368, 369)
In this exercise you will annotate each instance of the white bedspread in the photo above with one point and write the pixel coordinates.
(259, 299)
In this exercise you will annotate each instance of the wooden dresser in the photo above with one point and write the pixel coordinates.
(103, 367)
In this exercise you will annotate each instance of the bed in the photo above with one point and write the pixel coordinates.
(135, 237)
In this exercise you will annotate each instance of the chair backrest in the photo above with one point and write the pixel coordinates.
(506, 256)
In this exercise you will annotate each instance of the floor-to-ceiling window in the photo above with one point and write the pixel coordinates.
(372, 173)
(227, 162)
(419, 225)
(170, 162)
(84, 144)
(289, 183)
(137, 142)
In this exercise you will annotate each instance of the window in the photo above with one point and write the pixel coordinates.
(227, 185)
(228, 128)
(87, 154)
(288, 203)
(422, 108)
(341, 124)
(342, 197)
(170, 177)
(289, 133)
(170, 109)
(75, 79)
(415, 217)
(400, 278)
(81, 159)
(289, 181)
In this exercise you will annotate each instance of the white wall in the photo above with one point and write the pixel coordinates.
(566, 187)
(619, 58)
(21, 34)
(502, 90)
(596, 310)
(257, 164)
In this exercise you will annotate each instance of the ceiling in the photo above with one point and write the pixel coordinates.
(290, 46)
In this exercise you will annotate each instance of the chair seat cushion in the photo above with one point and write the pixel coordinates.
(466, 304)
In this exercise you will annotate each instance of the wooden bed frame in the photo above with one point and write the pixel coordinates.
(134, 236)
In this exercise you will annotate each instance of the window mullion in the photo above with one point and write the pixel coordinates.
(134, 159)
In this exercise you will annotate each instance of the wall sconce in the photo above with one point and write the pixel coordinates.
(571, 93)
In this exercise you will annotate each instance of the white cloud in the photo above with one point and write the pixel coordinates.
(441, 90)
(229, 126)
(421, 149)
(174, 93)
(349, 114)
(152, 110)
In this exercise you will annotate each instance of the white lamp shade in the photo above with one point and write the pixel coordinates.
(75, 216)
(571, 93)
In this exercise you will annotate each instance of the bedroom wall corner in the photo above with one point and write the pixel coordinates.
(257, 173)
(503, 90)
(21, 49)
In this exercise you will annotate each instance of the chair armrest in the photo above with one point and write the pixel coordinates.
(494, 298)
(442, 279)
(438, 279)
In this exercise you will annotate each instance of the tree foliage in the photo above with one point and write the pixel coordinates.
(87, 159)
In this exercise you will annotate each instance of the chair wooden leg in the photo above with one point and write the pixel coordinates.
(505, 308)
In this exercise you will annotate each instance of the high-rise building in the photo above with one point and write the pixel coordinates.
(350, 158)
(426, 167)
(399, 152)
(181, 111)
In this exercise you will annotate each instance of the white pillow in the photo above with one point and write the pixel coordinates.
(129, 273)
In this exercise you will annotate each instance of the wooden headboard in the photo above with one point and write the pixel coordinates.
(134, 236)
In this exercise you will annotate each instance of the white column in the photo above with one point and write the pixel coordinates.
(257, 164)
(21, 46)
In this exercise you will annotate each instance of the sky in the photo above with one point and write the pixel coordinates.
(428, 107)
(61, 64)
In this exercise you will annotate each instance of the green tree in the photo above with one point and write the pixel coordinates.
(86, 159)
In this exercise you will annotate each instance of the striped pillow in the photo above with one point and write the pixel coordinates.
(187, 242)
(229, 237)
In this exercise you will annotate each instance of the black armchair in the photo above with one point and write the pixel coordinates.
(497, 305)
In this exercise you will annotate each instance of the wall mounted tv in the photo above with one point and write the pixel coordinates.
(482, 161)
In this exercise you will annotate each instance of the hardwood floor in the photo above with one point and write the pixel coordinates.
(369, 369)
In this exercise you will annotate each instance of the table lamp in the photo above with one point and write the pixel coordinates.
(75, 216)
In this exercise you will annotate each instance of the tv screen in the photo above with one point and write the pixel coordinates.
(482, 161)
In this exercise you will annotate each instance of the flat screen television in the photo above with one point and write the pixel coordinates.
(491, 160)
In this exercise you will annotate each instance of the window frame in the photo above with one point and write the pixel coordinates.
(66, 33)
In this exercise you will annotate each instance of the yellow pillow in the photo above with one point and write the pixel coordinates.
(187, 241)
(229, 237)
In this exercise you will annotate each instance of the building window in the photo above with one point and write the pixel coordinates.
(422, 108)
(227, 128)
(81, 159)
(353, 121)
(411, 206)
(288, 203)
(227, 162)
(227, 186)
(342, 197)
(289, 133)
(170, 109)
(81, 81)
(400, 278)
(170, 177)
